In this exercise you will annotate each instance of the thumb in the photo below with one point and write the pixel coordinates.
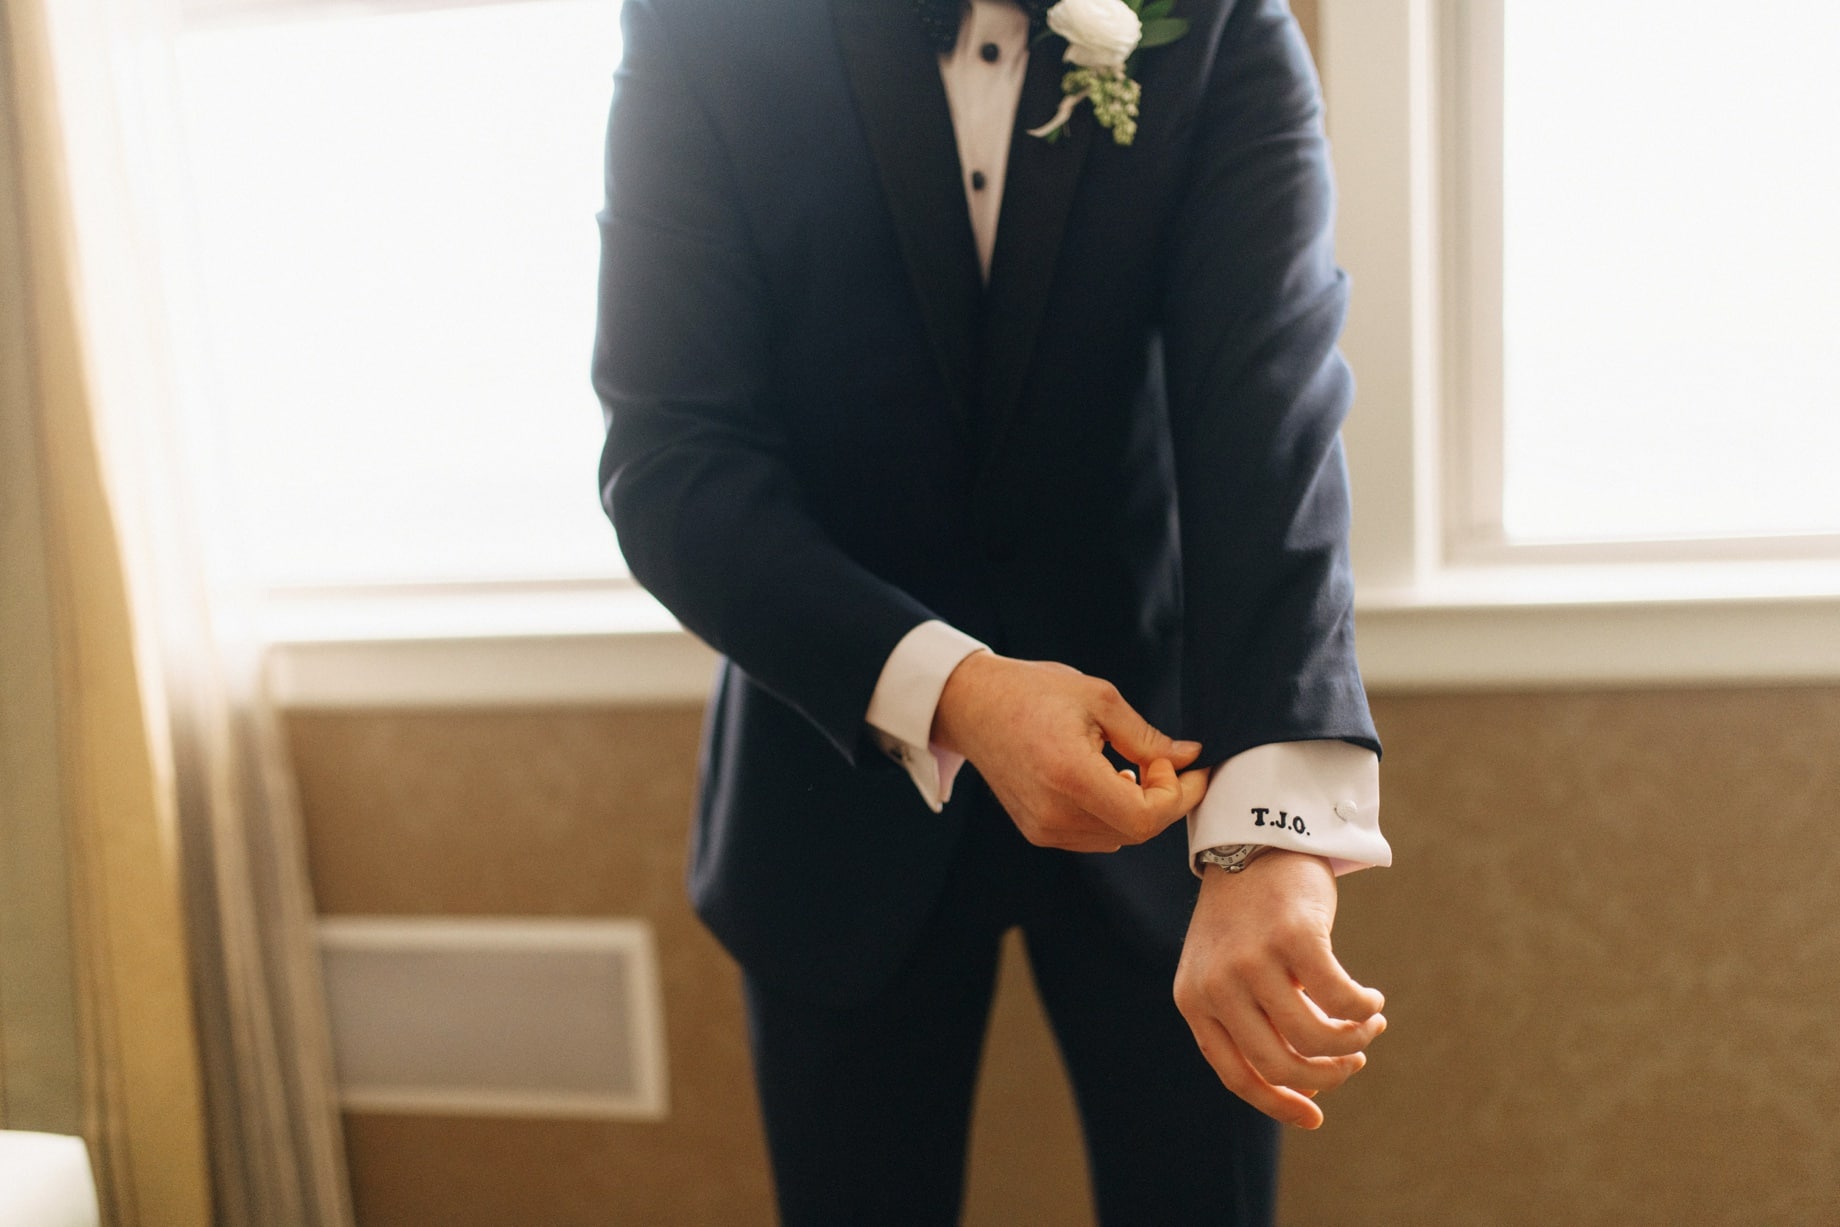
(1334, 991)
(1137, 739)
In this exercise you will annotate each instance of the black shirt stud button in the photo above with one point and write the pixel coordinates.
(990, 52)
(978, 181)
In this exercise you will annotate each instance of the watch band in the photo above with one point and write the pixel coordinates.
(1231, 857)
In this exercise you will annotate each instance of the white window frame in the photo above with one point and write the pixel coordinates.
(1412, 93)
(1441, 604)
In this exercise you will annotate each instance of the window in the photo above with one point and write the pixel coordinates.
(1596, 281)
(1602, 515)
(1652, 276)
(394, 209)
(1516, 522)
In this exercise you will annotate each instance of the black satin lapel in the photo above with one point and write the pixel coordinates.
(1038, 192)
(894, 74)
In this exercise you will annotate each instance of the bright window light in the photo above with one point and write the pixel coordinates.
(395, 216)
(1671, 269)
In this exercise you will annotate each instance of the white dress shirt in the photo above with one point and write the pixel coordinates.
(1321, 797)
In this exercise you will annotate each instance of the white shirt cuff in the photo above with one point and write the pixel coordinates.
(1320, 797)
(906, 696)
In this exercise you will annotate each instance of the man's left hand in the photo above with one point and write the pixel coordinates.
(1273, 1011)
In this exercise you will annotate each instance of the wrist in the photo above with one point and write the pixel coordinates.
(1274, 862)
(960, 699)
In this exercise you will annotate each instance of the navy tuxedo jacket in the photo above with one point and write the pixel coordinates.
(824, 429)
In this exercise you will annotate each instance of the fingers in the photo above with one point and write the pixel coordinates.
(1333, 990)
(1277, 1017)
(1285, 1058)
(1047, 820)
(1268, 1046)
(1323, 1012)
(1103, 814)
(1091, 807)
(1308, 1032)
(1103, 806)
(1194, 785)
(1135, 810)
(1255, 1063)
(1135, 737)
(1064, 827)
(1139, 809)
(1167, 796)
(1042, 750)
(1080, 842)
(1281, 1103)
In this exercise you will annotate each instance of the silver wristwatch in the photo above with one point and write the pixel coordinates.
(1231, 857)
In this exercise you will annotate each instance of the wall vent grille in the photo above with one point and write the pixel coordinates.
(511, 1016)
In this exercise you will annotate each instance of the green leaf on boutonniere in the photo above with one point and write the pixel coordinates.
(1157, 9)
(1161, 31)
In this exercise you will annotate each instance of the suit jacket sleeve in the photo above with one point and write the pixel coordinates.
(710, 518)
(1253, 308)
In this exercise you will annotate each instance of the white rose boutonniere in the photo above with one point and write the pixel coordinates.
(1103, 39)
(1099, 33)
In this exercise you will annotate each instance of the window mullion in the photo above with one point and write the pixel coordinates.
(1377, 63)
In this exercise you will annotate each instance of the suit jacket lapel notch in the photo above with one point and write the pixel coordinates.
(894, 74)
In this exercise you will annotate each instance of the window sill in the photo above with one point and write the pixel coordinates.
(1596, 626)
(1494, 628)
(513, 646)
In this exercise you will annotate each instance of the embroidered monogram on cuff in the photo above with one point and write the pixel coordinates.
(1321, 797)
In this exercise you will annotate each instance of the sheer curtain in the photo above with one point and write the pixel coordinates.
(167, 810)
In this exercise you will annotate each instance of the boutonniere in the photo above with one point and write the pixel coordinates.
(1103, 39)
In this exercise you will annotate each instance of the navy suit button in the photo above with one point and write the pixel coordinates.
(978, 181)
(990, 52)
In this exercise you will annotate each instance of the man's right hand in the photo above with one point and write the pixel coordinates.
(1036, 731)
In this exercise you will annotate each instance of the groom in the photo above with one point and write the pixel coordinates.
(982, 457)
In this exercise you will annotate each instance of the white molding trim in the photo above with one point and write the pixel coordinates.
(510, 645)
(613, 668)
(1600, 645)
(1407, 643)
(1378, 60)
(1467, 100)
(547, 1105)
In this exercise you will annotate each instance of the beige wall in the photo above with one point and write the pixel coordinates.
(1305, 11)
(1610, 949)
(585, 813)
